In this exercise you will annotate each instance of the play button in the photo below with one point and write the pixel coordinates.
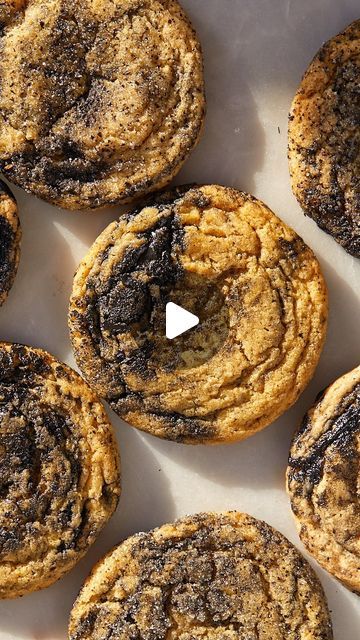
(182, 328)
(178, 320)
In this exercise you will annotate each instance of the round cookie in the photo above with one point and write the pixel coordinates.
(59, 469)
(100, 102)
(210, 576)
(323, 479)
(324, 139)
(10, 237)
(254, 284)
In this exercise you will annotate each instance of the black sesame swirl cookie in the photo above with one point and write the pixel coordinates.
(256, 288)
(323, 479)
(324, 139)
(209, 576)
(59, 469)
(10, 237)
(100, 102)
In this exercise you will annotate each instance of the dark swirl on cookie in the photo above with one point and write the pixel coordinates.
(100, 102)
(218, 577)
(255, 286)
(323, 479)
(324, 139)
(10, 237)
(59, 477)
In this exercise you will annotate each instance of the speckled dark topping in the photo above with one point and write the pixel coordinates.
(99, 102)
(324, 139)
(323, 479)
(136, 287)
(10, 235)
(204, 249)
(214, 577)
(47, 519)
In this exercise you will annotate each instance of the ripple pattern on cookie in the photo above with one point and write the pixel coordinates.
(256, 287)
(100, 102)
(324, 139)
(210, 576)
(10, 237)
(59, 477)
(323, 479)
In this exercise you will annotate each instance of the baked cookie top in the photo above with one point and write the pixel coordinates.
(323, 479)
(59, 469)
(10, 237)
(254, 284)
(324, 139)
(100, 101)
(210, 576)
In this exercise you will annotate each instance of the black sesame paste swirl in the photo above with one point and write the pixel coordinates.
(130, 299)
(341, 433)
(137, 288)
(7, 239)
(133, 300)
(140, 281)
(46, 515)
(10, 236)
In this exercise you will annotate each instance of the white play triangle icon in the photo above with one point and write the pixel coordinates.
(178, 320)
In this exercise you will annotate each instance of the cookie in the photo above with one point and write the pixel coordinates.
(323, 479)
(100, 102)
(256, 288)
(10, 237)
(324, 139)
(59, 469)
(210, 576)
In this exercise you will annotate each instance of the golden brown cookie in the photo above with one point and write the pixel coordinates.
(59, 469)
(210, 577)
(100, 101)
(256, 287)
(10, 237)
(323, 479)
(324, 139)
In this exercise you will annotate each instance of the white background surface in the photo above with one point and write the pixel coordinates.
(255, 52)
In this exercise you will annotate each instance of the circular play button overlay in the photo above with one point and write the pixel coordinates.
(178, 320)
(187, 326)
(199, 317)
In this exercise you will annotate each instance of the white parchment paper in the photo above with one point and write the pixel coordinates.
(255, 53)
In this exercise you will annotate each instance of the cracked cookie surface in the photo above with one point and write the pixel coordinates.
(323, 479)
(210, 576)
(59, 469)
(10, 238)
(100, 102)
(324, 139)
(254, 284)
